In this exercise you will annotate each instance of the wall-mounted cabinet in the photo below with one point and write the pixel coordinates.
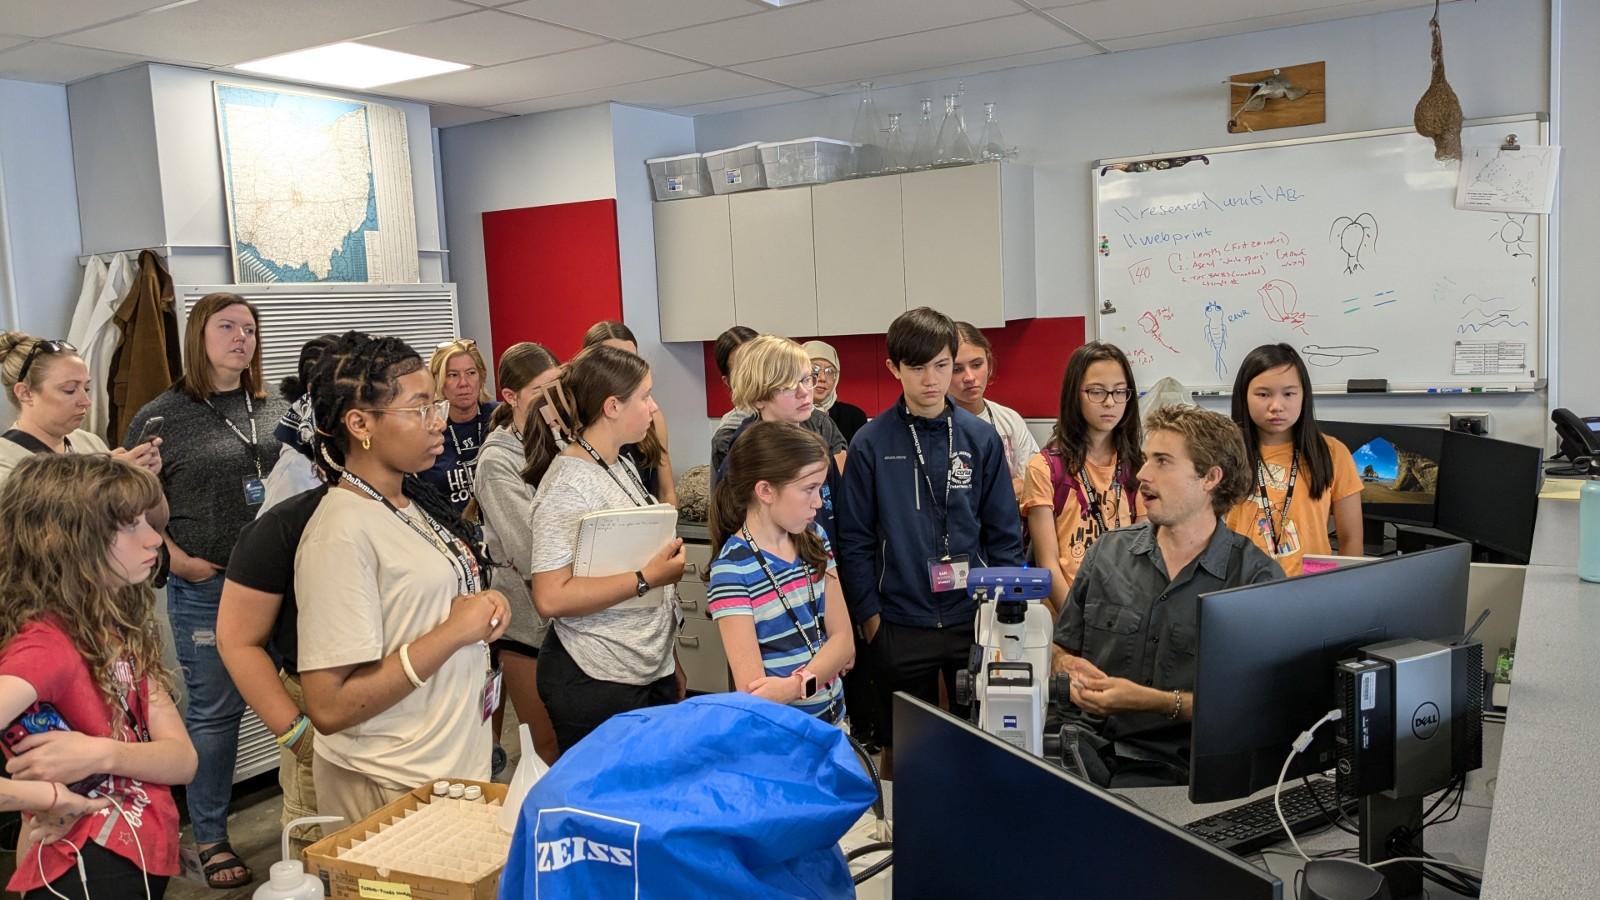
(846, 258)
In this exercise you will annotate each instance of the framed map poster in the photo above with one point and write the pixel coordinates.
(318, 188)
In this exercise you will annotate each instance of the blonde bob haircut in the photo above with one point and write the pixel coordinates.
(767, 365)
(450, 350)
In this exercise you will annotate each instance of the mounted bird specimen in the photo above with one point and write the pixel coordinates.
(1276, 86)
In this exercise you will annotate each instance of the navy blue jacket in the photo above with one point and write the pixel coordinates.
(889, 529)
(832, 485)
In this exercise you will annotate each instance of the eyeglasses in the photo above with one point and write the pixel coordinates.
(429, 413)
(51, 347)
(826, 371)
(807, 383)
(465, 343)
(1099, 394)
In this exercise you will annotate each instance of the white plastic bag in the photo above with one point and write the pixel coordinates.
(530, 768)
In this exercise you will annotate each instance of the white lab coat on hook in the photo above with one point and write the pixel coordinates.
(94, 331)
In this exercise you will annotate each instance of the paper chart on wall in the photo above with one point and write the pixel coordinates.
(1508, 180)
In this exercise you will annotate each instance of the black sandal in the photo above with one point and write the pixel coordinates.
(212, 869)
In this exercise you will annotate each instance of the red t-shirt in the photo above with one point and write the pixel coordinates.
(44, 656)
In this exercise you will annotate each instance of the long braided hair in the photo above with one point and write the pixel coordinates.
(362, 371)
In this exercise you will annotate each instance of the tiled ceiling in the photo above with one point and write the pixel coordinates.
(689, 56)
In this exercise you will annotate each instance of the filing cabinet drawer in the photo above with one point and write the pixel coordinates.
(704, 662)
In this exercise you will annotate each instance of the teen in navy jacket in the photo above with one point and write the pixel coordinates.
(894, 518)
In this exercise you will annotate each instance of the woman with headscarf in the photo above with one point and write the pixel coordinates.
(847, 416)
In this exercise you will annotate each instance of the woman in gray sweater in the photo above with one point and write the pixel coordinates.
(504, 501)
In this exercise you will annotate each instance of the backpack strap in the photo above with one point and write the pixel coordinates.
(1062, 483)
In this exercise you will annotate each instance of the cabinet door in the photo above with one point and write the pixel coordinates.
(861, 265)
(952, 242)
(705, 663)
(694, 268)
(774, 263)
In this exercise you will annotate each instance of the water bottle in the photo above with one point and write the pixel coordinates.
(289, 879)
(1589, 525)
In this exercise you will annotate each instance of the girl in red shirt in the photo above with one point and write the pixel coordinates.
(78, 638)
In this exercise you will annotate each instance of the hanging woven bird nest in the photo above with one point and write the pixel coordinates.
(1438, 114)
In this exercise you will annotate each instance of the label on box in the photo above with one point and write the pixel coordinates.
(674, 185)
(734, 176)
(1369, 690)
(383, 890)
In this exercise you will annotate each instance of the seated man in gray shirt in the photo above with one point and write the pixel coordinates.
(1127, 632)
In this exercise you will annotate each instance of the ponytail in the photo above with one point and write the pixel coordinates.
(774, 452)
(575, 401)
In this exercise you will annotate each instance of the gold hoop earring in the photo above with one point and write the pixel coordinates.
(366, 443)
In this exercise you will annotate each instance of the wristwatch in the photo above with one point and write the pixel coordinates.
(643, 587)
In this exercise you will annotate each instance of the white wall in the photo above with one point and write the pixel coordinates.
(537, 160)
(1066, 115)
(1578, 130)
(41, 207)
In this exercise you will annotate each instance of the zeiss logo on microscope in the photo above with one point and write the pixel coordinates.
(584, 854)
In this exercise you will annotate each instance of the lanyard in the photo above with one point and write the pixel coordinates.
(1266, 503)
(631, 475)
(249, 443)
(811, 594)
(1095, 497)
(949, 473)
(457, 552)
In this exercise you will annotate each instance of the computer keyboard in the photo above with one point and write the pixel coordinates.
(1250, 827)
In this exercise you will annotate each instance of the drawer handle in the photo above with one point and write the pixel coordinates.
(689, 604)
(691, 569)
(689, 640)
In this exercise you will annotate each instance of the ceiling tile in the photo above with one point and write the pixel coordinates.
(1155, 33)
(7, 41)
(42, 18)
(738, 103)
(60, 64)
(1024, 33)
(818, 25)
(624, 19)
(560, 101)
(704, 86)
(963, 70)
(1110, 19)
(546, 76)
(483, 39)
(442, 115)
(224, 32)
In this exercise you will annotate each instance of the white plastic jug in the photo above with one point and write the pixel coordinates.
(289, 879)
(530, 768)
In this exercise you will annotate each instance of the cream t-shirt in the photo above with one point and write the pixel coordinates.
(12, 453)
(366, 583)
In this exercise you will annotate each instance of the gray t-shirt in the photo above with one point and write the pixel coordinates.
(631, 646)
(820, 422)
(504, 502)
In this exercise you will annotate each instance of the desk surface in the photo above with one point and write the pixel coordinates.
(1555, 534)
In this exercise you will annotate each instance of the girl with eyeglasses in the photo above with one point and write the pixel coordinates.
(1083, 484)
(1301, 477)
(846, 416)
(774, 588)
(458, 371)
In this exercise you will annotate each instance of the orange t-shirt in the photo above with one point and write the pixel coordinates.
(1307, 528)
(1076, 532)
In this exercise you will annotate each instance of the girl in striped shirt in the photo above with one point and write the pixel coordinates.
(774, 592)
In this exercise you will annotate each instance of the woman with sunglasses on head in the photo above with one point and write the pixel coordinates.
(218, 448)
(79, 644)
(48, 385)
(649, 455)
(1084, 483)
(459, 371)
(394, 621)
(847, 416)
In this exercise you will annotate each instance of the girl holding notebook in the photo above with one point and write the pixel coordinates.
(598, 659)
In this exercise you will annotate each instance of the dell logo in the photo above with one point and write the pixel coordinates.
(1425, 721)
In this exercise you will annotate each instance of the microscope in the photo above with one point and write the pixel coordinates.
(1008, 682)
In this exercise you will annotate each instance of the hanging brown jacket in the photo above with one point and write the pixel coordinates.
(150, 357)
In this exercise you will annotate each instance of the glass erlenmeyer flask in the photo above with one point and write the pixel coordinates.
(895, 151)
(991, 144)
(954, 147)
(867, 135)
(925, 140)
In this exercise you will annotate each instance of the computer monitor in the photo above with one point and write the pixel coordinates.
(1399, 466)
(1489, 493)
(976, 817)
(1265, 664)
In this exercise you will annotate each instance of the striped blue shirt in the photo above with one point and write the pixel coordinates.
(739, 587)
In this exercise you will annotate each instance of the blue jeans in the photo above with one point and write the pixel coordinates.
(214, 706)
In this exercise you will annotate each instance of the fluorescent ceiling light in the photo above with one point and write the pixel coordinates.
(783, 2)
(350, 65)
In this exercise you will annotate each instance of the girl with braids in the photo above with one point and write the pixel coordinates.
(393, 619)
(597, 660)
(648, 454)
(1084, 483)
(296, 471)
(503, 502)
(774, 591)
(78, 634)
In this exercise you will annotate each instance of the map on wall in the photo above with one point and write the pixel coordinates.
(318, 188)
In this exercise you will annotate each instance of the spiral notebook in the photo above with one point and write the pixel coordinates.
(617, 541)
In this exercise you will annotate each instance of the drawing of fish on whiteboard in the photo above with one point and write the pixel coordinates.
(1281, 301)
(1216, 331)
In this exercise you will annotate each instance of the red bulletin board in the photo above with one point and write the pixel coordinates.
(552, 272)
(1030, 358)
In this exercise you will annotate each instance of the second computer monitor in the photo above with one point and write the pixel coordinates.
(1265, 669)
(1399, 467)
(1489, 493)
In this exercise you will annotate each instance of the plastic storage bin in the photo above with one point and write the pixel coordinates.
(676, 177)
(812, 160)
(736, 168)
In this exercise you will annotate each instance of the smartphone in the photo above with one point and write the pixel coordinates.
(151, 429)
(42, 717)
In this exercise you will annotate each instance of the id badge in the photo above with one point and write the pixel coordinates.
(948, 574)
(255, 491)
(491, 693)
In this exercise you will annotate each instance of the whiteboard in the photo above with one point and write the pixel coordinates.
(1350, 248)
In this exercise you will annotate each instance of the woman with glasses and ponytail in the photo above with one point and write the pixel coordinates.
(394, 621)
(597, 660)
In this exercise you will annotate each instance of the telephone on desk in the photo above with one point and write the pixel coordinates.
(1578, 437)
